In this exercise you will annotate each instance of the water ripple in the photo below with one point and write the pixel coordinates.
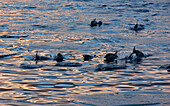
(52, 27)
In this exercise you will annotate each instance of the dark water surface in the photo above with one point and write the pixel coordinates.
(53, 26)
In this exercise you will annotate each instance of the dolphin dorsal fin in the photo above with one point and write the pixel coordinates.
(134, 49)
(116, 52)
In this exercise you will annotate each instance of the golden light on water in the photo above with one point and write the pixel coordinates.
(52, 27)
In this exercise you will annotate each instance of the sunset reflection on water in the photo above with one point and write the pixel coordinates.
(56, 26)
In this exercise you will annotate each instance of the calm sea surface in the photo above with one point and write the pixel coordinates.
(63, 26)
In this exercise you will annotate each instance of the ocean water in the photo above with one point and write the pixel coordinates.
(63, 26)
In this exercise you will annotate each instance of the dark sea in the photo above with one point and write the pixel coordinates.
(63, 26)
